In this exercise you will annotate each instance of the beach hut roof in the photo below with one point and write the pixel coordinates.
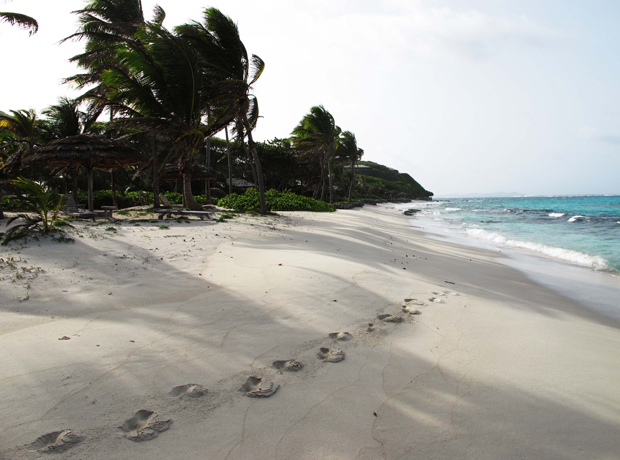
(91, 151)
(241, 183)
(199, 172)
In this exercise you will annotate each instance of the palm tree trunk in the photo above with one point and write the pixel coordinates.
(75, 187)
(188, 197)
(330, 171)
(322, 164)
(208, 161)
(352, 178)
(229, 163)
(113, 185)
(91, 205)
(241, 132)
(259, 171)
(156, 201)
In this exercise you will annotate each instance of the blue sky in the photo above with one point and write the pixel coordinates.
(477, 96)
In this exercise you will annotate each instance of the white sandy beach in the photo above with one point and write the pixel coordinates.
(494, 366)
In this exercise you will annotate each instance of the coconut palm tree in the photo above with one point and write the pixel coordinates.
(233, 72)
(107, 25)
(317, 135)
(348, 150)
(20, 20)
(162, 85)
(24, 128)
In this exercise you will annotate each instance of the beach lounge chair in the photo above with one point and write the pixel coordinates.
(76, 211)
(183, 212)
(167, 204)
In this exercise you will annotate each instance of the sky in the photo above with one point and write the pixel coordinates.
(476, 96)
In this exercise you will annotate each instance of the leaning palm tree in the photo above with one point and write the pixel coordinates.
(20, 20)
(232, 72)
(162, 85)
(317, 135)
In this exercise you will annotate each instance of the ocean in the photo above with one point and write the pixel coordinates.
(581, 230)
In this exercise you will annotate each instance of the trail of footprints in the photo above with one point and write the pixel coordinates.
(145, 426)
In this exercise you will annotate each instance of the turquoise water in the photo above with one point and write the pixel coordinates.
(579, 229)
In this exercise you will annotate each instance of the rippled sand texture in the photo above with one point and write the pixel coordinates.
(447, 353)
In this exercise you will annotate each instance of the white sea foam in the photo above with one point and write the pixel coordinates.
(556, 214)
(595, 262)
(576, 218)
(452, 209)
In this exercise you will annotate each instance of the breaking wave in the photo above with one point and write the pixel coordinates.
(586, 260)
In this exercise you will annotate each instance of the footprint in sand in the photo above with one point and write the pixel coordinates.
(57, 441)
(411, 311)
(330, 355)
(143, 427)
(192, 390)
(291, 365)
(435, 300)
(342, 336)
(255, 387)
(390, 318)
(415, 302)
(371, 327)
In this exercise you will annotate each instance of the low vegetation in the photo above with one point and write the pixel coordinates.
(275, 201)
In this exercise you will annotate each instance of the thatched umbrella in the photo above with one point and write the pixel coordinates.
(89, 151)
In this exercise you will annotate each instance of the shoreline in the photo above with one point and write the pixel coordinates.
(494, 366)
(594, 288)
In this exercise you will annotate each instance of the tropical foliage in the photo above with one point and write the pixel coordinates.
(40, 199)
(20, 20)
(317, 135)
(168, 92)
(275, 201)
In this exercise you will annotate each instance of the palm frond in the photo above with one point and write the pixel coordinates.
(158, 15)
(20, 20)
(258, 66)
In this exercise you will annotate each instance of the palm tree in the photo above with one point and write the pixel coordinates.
(232, 72)
(162, 85)
(20, 20)
(24, 127)
(107, 25)
(65, 119)
(317, 134)
(348, 150)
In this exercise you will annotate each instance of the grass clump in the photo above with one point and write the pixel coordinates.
(276, 201)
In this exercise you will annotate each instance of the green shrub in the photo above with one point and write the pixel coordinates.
(123, 200)
(14, 203)
(276, 201)
(174, 198)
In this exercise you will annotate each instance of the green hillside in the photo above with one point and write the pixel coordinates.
(386, 182)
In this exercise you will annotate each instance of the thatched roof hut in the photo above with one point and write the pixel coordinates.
(87, 150)
(198, 172)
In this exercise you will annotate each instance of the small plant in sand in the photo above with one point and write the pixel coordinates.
(40, 199)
